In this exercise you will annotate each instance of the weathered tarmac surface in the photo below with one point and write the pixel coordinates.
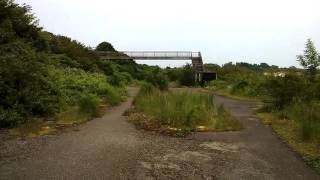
(111, 148)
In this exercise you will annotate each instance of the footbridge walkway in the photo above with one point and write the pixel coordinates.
(195, 57)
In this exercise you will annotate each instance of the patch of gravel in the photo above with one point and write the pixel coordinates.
(17, 148)
(179, 158)
(220, 146)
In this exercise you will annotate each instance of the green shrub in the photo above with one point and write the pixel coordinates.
(307, 114)
(146, 89)
(73, 82)
(187, 76)
(239, 87)
(10, 118)
(41, 74)
(88, 104)
(158, 79)
(127, 78)
(25, 88)
(120, 79)
(286, 90)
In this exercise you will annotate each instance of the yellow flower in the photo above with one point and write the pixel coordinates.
(201, 128)
(174, 129)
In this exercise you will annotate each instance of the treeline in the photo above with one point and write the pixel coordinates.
(243, 78)
(42, 74)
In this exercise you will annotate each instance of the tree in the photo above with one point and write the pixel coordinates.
(187, 78)
(17, 22)
(310, 60)
(212, 67)
(287, 90)
(105, 46)
(158, 79)
(264, 65)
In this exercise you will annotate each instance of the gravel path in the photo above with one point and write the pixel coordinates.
(111, 148)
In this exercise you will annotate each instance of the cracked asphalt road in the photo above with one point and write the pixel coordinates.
(111, 148)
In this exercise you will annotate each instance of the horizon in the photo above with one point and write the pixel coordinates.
(269, 32)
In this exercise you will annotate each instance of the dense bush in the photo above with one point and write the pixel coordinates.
(187, 76)
(89, 103)
(25, 89)
(146, 89)
(17, 23)
(120, 79)
(287, 90)
(174, 74)
(240, 81)
(42, 74)
(158, 79)
(73, 82)
(307, 115)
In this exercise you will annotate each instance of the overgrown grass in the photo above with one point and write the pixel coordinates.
(180, 111)
(85, 111)
(88, 104)
(34, 128)
(307, 116)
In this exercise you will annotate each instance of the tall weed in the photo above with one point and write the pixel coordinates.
(88, 104)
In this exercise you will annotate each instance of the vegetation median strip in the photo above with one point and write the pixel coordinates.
(179, 112)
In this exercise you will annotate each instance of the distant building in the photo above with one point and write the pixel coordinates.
(275, 74)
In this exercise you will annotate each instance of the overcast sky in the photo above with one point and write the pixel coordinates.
(255, 31)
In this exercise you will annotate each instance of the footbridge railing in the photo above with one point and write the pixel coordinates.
(151, 55)
(195, 58)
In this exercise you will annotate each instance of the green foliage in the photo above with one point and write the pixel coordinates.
(73, 82)
(146, 89)
(187, 76)
(120, 79)
(289, 94)
(24, 85)
(82, 56)
(105, 46)
(174, 74)
(89, 103)
(310, 59)
(108, 67)
(212, 67)
(158, 79)
(42, 74)
(307, 115)
(286, 90)
(18, 23)
(9, 118)
(241, 79)
(174, 110)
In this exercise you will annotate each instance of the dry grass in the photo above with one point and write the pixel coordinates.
(39, 127)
